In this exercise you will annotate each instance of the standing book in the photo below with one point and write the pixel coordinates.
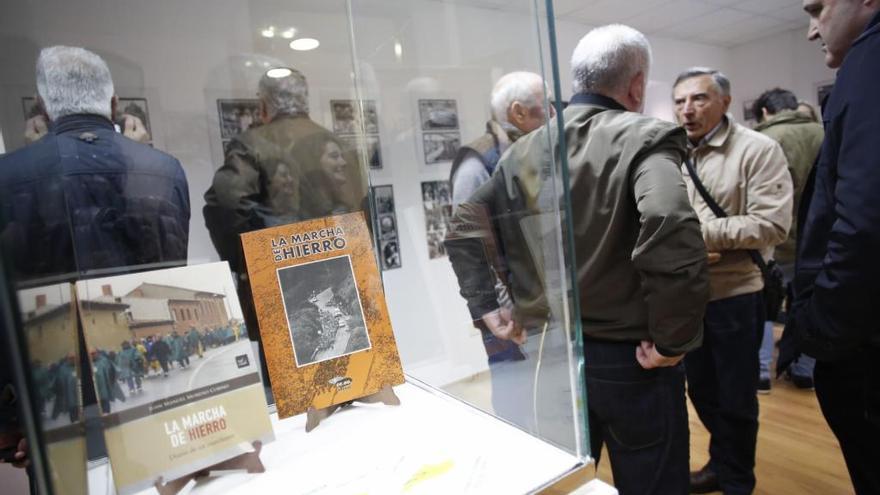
(321, 311)
(177, 384)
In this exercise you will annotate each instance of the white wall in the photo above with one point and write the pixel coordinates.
(787, 60)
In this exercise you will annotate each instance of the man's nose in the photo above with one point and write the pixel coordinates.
(813, 30)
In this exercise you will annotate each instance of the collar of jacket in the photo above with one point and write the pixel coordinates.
(80, 122)
(784, 117)
(721, 134)
(298, 115)
(871, 29)
(502, 136)
(596, 99)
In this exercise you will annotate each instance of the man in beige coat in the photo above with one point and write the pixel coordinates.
(747, 175)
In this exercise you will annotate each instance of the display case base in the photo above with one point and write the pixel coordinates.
(385, 396)
(249, 462)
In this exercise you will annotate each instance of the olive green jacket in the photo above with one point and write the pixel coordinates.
(801, 140)
(639, 254)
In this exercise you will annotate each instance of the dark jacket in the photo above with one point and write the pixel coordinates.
(640, 256)
(801, 139)
(85, 197)
(837, 279)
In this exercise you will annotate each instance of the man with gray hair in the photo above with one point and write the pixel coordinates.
(517, 107)
(286, 169)
(739, 185)
(641, 261)
(84, 197)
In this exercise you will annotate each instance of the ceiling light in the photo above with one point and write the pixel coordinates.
(398, 50)
(288, 33)
(278, 72)
(269, 32)
(304, 44)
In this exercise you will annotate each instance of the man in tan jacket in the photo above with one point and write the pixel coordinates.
(747, 175)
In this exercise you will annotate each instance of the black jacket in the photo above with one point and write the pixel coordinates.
(837, 279)
(85, 197)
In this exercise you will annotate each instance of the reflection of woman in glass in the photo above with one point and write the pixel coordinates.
(284, 196)
(323, 190)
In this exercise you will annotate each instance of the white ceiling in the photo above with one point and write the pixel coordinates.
(717, 22)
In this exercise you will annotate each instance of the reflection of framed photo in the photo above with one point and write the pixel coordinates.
(29, 107)
(237, 116)
(324, 314)
(438, 115)
(373, 148)
(345, 117)
(389, 240)
(390, 251)
(136, 107)
(437, 202)
(440, 146)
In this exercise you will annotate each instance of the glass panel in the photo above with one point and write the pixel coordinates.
(267, 112)
(431, 66)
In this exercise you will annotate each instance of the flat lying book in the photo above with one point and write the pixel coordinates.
(321, 311)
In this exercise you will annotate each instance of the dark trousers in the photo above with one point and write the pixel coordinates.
(722, 380)
(641, 416)
(849, 395)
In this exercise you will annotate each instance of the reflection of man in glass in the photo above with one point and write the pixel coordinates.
(288, 169)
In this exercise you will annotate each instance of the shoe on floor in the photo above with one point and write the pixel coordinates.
(802, 382)
(704, 481)
(764, 386)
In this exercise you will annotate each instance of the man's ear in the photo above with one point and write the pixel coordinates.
(41, 107)
(516, 114)
(636, 93)
(726, 100)
(114, 103)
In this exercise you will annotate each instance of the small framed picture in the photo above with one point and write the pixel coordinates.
(237, 116)
(440, 146)
(438, 115)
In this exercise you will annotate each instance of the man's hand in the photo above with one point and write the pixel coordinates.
(504, 327)
(35, 128)
(134, 129)
(713, 258)
(21, 458)
(649, 358)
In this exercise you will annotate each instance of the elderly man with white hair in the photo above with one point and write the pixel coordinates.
(517, 104)
(85, 197)
(640, 258)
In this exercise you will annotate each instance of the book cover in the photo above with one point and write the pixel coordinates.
(177, 383)
(321, 310)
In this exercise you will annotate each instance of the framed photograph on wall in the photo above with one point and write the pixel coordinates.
(437, 201)
(438, 115)
(236, 116)
(363, 139)
(386, 218)
(440, 146)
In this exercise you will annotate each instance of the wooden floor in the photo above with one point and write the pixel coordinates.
(797, 453)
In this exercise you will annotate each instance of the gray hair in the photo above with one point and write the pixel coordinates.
(72, 80)
(523, 87)
(722, 83)
(608, 57)
(288, 95)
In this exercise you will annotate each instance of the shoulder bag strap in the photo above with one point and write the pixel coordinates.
(717, 210)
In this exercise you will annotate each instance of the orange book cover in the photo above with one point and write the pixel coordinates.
(321, 311)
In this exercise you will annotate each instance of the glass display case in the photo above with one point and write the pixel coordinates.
(378, 99)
